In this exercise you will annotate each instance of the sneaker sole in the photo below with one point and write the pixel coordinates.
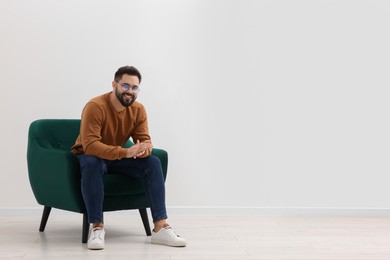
(163, 242)
(95, 247)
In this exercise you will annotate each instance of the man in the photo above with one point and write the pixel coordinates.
(107, 122)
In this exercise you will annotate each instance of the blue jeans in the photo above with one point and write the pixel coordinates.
(93, 169)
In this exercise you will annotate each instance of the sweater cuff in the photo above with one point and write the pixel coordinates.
(122, 153)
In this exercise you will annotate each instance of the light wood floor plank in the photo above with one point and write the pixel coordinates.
(209, 237)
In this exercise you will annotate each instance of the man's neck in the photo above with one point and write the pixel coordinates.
(115, 103)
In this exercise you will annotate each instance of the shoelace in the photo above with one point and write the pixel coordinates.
(168, 227)
(94, 232)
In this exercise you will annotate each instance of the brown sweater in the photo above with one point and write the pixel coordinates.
(103, 131)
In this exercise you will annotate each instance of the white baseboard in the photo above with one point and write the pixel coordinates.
(221, 210)
(281, 211)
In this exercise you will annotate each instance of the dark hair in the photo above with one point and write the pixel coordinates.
(129, 70)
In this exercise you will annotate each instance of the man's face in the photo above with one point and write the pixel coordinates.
(126, 97)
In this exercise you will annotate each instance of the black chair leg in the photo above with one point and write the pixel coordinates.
(45, 216)
(145, 220)
(84, 237)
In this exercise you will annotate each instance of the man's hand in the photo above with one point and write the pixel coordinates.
(139, 155)
(138, 149)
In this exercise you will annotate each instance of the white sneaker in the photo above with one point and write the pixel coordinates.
(96, 238)
(166, 236)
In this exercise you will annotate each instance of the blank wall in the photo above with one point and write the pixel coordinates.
(259, 103)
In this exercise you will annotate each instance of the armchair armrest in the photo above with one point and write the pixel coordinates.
(55, 177)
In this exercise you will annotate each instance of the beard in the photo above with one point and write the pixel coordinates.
(125, 98)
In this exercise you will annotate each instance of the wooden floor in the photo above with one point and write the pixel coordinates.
(209, 237)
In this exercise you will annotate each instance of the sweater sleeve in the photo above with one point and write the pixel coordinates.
(90, 135)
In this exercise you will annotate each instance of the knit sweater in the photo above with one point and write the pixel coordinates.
(103, 130)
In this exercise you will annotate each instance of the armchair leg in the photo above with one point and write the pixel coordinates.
(145, 220)
(45, 216)
(85, 231)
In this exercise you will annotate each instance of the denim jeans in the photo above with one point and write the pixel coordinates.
(93, 169)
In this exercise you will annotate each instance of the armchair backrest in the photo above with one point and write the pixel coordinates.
(54, 133)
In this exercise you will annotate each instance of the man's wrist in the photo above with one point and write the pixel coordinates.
(129, 153)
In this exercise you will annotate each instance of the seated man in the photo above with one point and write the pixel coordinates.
(107, 122)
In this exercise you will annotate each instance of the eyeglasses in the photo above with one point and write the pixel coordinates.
(125, 87)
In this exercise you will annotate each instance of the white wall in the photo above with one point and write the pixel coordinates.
(259, 103)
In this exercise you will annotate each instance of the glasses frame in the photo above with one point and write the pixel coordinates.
(125, 87)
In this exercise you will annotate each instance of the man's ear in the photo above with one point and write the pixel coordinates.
(113, 84)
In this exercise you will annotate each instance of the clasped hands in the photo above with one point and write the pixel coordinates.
(138, 149)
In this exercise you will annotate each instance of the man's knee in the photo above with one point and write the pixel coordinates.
(154, 161)
(90, 162)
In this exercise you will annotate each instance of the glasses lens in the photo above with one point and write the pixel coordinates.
(125, 87)
(135, 89)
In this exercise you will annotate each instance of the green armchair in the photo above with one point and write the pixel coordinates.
(54, 174)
